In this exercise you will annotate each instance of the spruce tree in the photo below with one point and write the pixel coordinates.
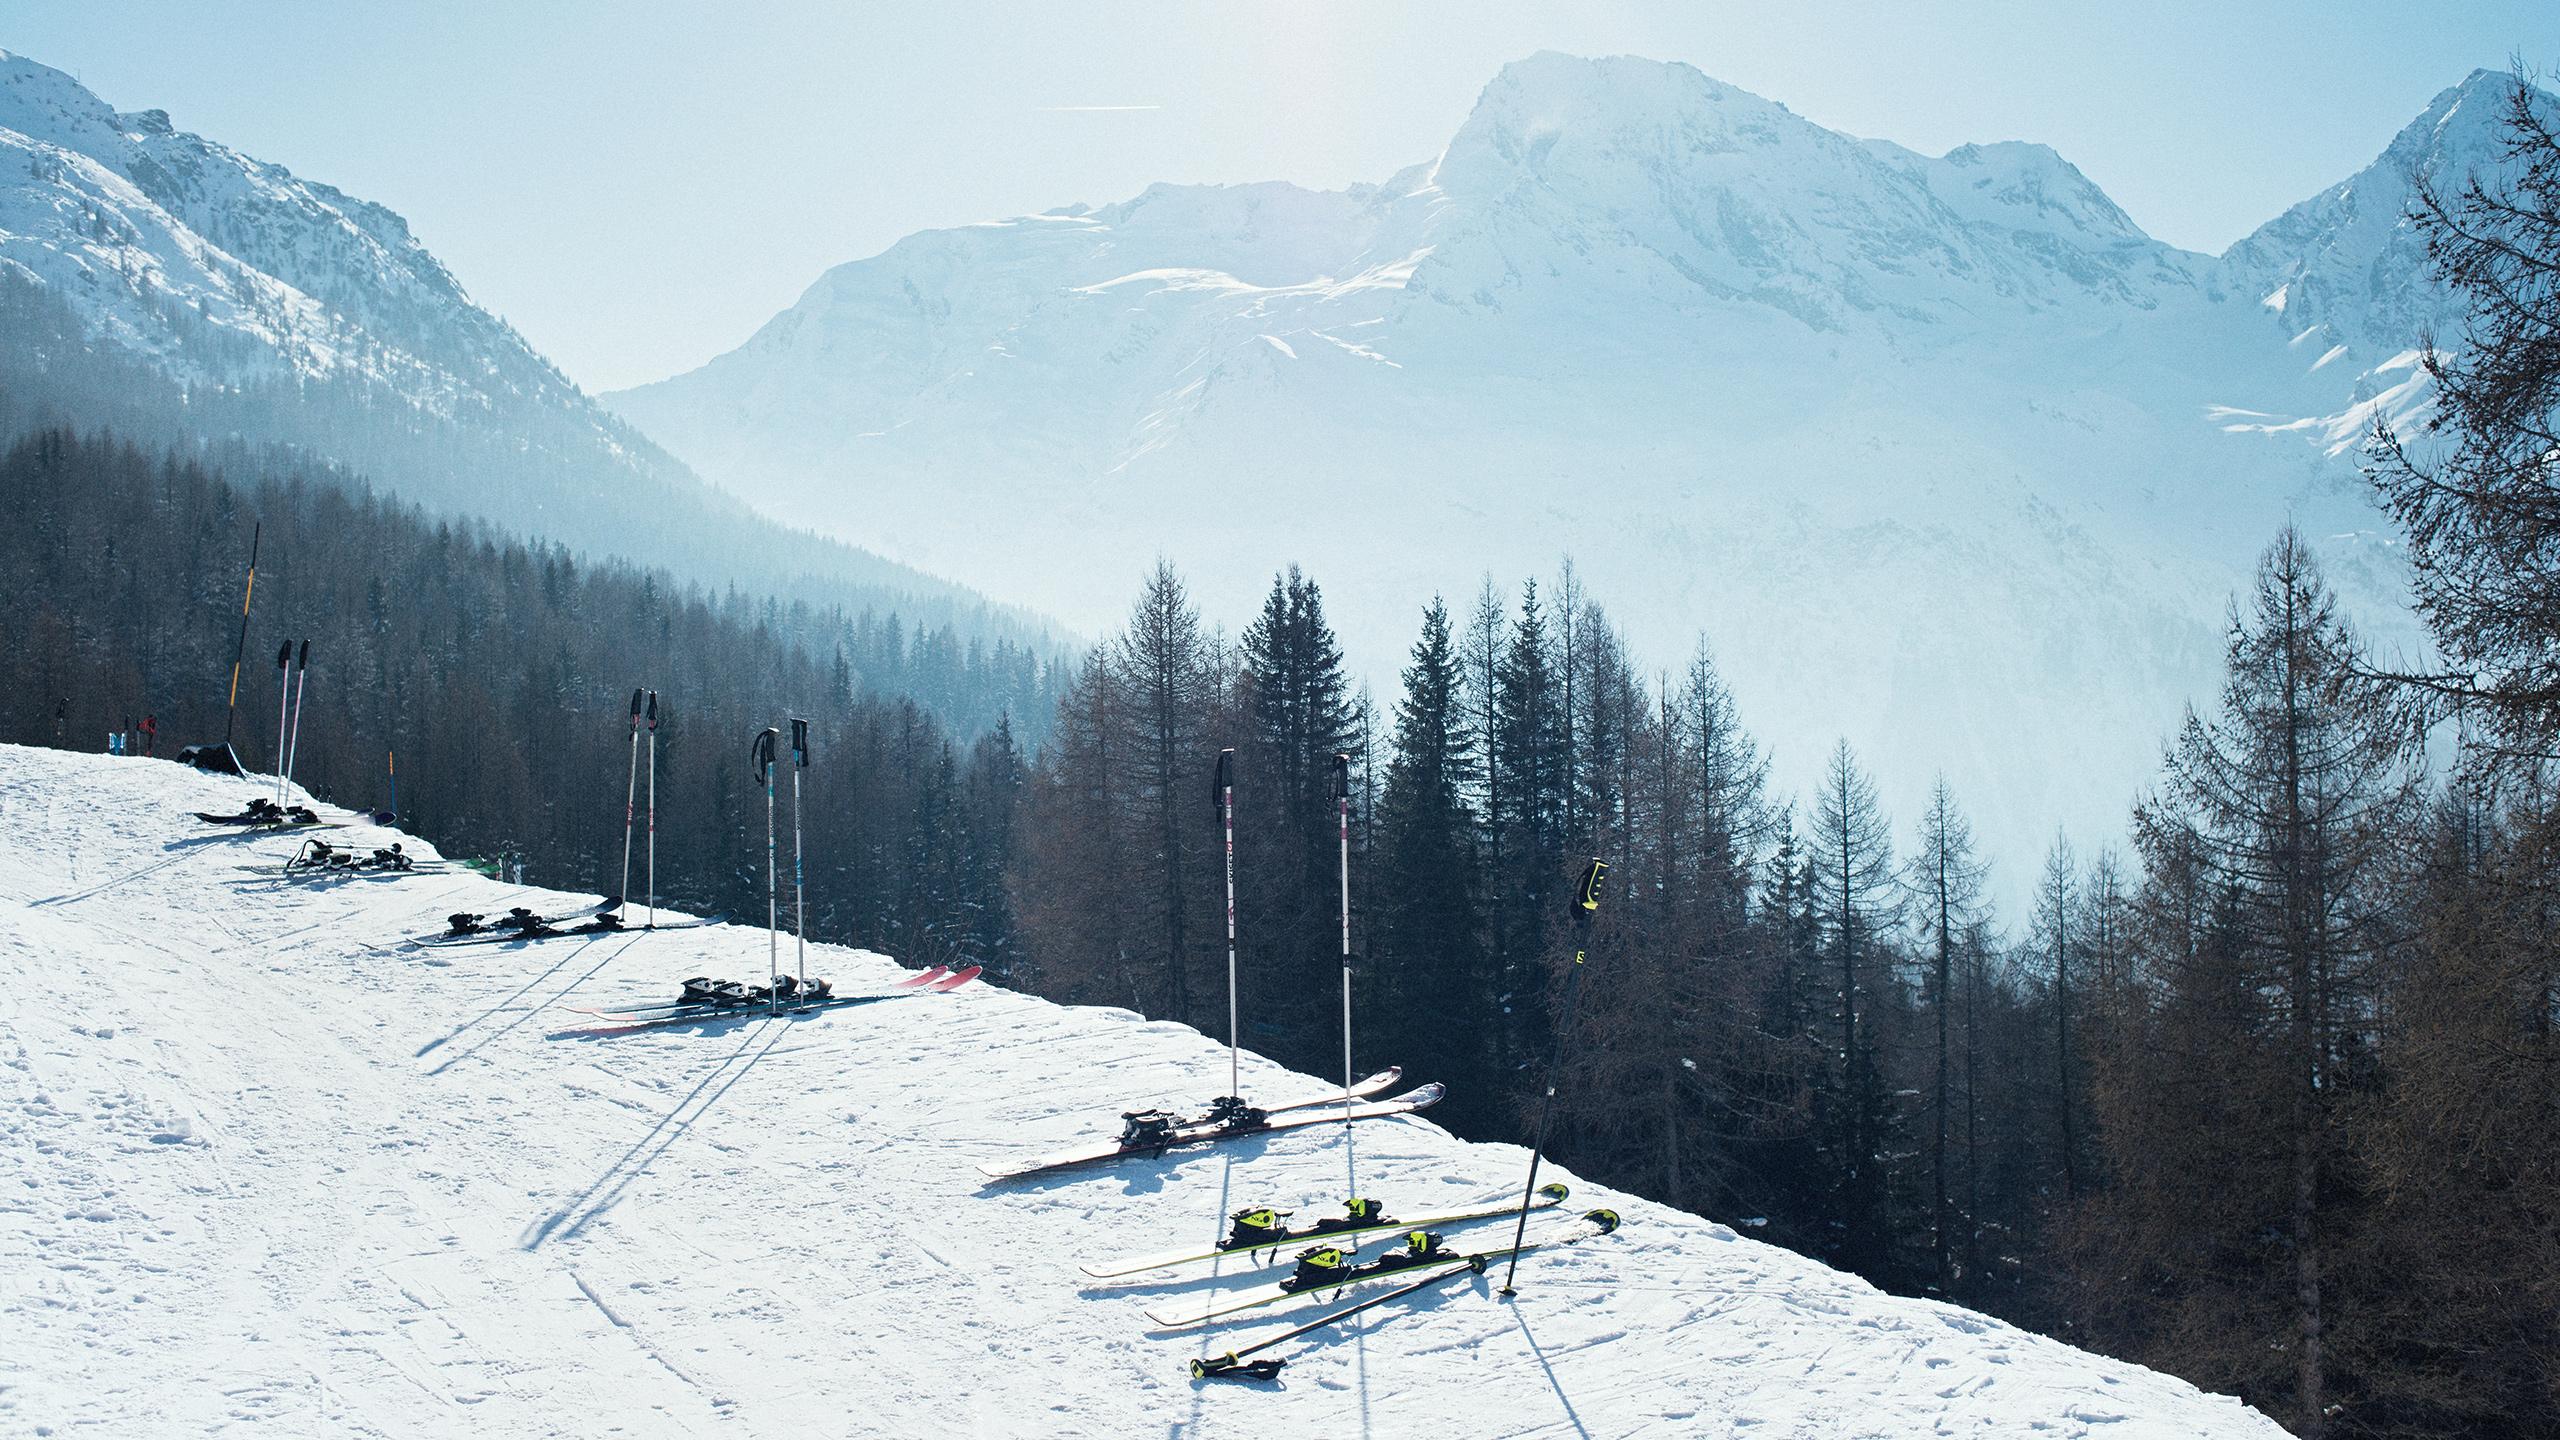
(1437, 979)
(1298, 717)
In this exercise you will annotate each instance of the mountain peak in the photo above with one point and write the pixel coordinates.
(2348, 258)
(47, 104)
(1549, 92)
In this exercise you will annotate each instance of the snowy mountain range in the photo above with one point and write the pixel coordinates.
(165, 285)
(272, 1173)
(1943, 454)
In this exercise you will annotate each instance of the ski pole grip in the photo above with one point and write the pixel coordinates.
(1226, 780)
(635, 707)
(1341, 777)
(284, 656)
(305, 662)
(1586, 895)
(800, 742)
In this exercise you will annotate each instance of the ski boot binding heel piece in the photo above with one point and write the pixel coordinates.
(1147, 1129)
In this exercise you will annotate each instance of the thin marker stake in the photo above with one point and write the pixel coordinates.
(240, 647)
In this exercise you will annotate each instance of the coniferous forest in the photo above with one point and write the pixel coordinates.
(2268, 1096)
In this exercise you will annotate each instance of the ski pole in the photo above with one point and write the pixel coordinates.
(653, 809)
(1342, 804)
(391, 767)
(1226, 799)
(284, 701)
(1234, 1366)
(240, 647)
(301, 679)
(630, 795)
(799, 897)
(764, 756)
(1586, 900)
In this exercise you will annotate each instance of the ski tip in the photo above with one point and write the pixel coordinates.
(1607, 1220)
(1555, 1191)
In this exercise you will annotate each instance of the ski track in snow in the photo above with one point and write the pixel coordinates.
(262, 1172)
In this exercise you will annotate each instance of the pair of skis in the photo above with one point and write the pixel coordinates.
(1155, 1139)
(1233, 1365)
(1230, 1116)
(647, 1010)
(1424, 1256)
(1261, 1246)
(925, 984)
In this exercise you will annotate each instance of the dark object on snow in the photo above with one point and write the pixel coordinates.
(218, 759)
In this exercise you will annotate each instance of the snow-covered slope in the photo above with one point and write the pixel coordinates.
(1944, 453)
(261, 1169)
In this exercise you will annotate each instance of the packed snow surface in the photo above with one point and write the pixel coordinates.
(264, 1171)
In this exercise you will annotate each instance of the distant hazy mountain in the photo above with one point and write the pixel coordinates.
(1944, 454)
(169, 287)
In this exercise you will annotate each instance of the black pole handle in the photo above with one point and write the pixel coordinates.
(1226, 780)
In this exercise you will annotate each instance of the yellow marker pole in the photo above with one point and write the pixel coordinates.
(241, 647)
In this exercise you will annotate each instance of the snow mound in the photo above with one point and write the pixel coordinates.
(262, 1166)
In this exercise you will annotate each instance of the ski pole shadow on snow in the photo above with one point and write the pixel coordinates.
(1572, 1416)
(520, 992)
(607, 1189)
(181, 851)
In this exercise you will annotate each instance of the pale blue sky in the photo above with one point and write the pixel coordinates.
(638, 186)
